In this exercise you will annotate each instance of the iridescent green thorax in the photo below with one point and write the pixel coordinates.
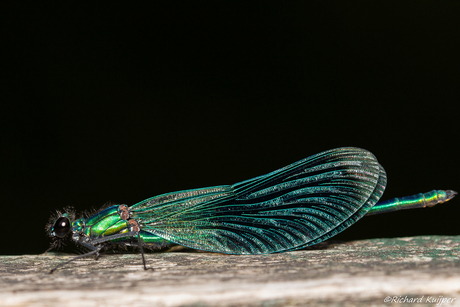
(105, 222)
(112, 221)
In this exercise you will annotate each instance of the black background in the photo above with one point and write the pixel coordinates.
(105, 102)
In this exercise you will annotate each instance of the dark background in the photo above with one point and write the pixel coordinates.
(105, 102)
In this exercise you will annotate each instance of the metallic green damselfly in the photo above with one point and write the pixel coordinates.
(296, 206)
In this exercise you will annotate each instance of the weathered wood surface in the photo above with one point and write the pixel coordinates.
(358, 273)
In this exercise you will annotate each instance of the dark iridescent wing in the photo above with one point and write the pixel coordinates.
(296, 206)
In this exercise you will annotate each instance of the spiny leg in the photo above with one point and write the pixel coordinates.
(93, 252)
(142, 252)
(134, 227)
(134, 231)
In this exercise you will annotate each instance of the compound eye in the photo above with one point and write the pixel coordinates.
(61, 227)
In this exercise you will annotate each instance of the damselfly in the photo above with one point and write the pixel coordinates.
(296, 206)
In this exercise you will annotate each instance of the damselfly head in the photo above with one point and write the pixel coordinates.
(60, 224)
